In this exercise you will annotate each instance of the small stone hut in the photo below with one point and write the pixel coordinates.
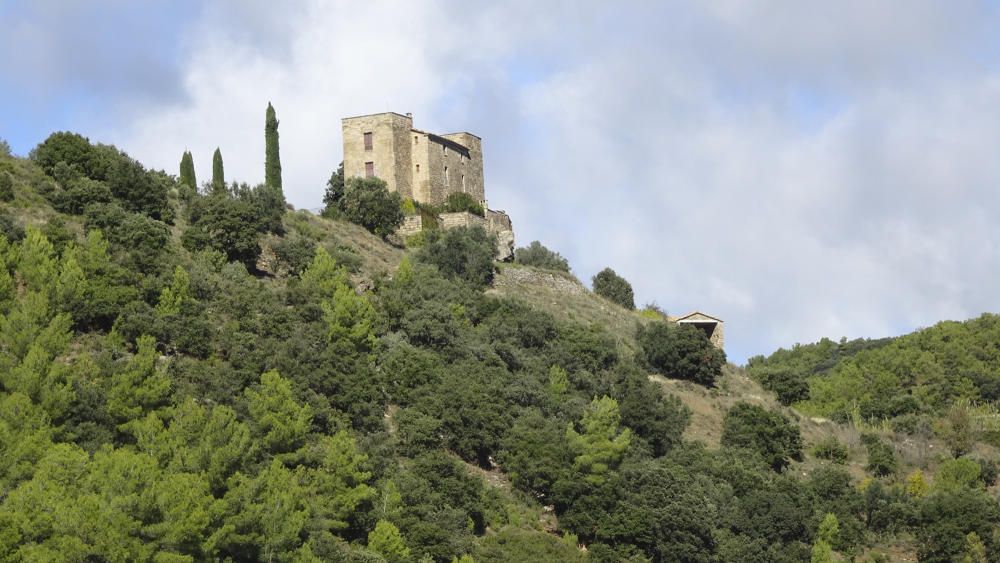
(712, 326)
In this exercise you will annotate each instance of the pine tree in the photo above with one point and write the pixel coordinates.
(272, 159)
(603, 442)
(218, 173)
(386, 540)
(187, 171)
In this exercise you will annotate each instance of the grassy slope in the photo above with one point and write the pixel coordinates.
(564, 297)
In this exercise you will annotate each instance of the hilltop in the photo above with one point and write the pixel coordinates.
(199, 372)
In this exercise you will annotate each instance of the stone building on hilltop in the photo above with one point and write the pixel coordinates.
(423, 167)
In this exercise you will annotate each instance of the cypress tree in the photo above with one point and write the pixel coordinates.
(218, 173)
(187, 171)
(272, 160)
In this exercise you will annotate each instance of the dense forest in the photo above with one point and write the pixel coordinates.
(197, 372)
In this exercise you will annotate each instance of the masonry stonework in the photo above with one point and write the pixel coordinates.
(421, 166)
(424, 167)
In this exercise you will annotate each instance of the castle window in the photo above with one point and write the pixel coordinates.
(418, 168)
(414, 139)
(369, 169)
(368, 141)
(446, 182)
(463, 182)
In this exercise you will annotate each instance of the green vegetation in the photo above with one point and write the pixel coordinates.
(535, 254)
(255, 384)
(680, 352)
(766, 433)
(461, 201)
(369, 203)
(218, 173)
(611, 286)
(6, 186)
(920, 374)
(832, 449)
(465, 253)
(187, 180)
(272, 154)
(334, 190)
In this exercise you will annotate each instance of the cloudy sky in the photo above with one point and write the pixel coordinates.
(799, 169)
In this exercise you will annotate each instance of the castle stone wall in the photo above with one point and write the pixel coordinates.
(419, 165)
(469, 166)
(412, 224)
(461, 219)
(391, 152)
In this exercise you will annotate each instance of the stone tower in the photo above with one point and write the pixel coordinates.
(421, 166)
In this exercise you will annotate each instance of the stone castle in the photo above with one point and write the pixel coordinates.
(423, 167)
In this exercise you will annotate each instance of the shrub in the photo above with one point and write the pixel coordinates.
(535, 453)
(81, 192)
(611, 286)
(6, 186)
(295, 253)
(141, 239)
(74, 150)
(680, 352)
(10, 228)
(139, 191)
(459, 201)
(946, 519)
(228, 224)
(4, 148)
(537, 255)
(653, 312)
(416, 240)
(765, 432)
(465, 253)
(957, 473)
(881, 457)
(66, 154)
(988, 472)
(831, 449)
(786, 383)
(369, 203)
(409, 207)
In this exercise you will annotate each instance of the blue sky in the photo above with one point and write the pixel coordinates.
(799, 169)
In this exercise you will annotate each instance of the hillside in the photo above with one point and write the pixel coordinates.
(191, 375)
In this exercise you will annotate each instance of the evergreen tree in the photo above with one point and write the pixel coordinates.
(272, 160)
(187, 177)
(603, 442)
(386, 540)
(218, 173)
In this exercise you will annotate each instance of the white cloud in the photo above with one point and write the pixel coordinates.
(799, 171)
